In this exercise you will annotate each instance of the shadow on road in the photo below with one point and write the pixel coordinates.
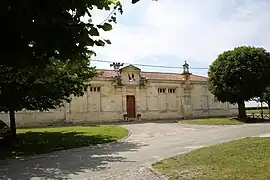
(59, 165)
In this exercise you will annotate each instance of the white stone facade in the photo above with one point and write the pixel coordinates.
(132, 92)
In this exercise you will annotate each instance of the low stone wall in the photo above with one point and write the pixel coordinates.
(25, 119)
(94, 117)
(214, 113)
(158, 115)
(36, 119)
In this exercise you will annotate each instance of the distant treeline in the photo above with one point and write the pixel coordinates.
(254, 108)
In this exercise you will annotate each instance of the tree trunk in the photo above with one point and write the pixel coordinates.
(242, 111)
(12, 123)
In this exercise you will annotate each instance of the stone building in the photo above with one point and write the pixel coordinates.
(131, 92)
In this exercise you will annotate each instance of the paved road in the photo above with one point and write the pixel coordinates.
(128, 159)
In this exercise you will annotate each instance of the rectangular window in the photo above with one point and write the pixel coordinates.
(171, 90)
(187, 100)
(161, 90)
(204, 89)
(94, 89)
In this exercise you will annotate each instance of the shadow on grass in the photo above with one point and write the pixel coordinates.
(253, 120)
(161, 121)
(32, 143)
(61, 164)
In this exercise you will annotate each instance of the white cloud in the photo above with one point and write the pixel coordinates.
(192, 30)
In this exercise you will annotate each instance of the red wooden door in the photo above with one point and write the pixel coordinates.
(131, 106)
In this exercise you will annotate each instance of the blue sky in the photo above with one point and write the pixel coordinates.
(168, 32)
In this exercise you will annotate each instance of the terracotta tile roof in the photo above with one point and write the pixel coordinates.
(157, 75)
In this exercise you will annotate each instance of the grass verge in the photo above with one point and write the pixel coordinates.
(246, 159)
(211, 121)
(43, 140)
(257, 111)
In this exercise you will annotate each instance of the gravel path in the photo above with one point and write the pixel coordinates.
(128, 159)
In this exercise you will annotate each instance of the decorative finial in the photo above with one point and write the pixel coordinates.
(186, 68)
(116, 65)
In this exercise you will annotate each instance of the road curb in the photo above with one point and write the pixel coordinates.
(156, 173)
(54, 153)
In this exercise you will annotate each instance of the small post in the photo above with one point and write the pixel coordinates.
(261, 109)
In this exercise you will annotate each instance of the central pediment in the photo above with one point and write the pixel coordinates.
(130, 75)
(130, 68)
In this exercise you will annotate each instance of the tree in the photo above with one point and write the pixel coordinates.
(264, 97)
(35, 90)
(45, 51)
(239, 75)
(35, 31)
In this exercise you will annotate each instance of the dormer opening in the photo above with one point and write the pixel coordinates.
(131, 77)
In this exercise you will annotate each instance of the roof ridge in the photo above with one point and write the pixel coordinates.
(111, 70)
(199, 75)
(160, 72)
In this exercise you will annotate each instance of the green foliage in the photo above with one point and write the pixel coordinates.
(42, 90)
(45, 51)
(240, 74)
(264, 97)
(36, 31)
(106, 27)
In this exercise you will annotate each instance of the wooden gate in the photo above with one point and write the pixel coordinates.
(131, 106)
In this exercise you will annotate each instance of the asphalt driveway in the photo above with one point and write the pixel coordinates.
(127, 159)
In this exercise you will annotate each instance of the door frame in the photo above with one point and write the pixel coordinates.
(127, 105)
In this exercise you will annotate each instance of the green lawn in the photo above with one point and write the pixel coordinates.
(257, 111)
(211, 121)
(42, 140)
(245, 159)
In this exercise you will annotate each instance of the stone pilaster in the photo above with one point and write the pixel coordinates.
(137, 98)
(87, 100)
(124, 100)
(101, 95)
(147, 98)
(179, 100)
(187, 87)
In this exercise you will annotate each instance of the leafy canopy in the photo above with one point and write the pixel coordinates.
(264, 97)
(240, 74)
(35, 90)
(34, 31)
(46, 49)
